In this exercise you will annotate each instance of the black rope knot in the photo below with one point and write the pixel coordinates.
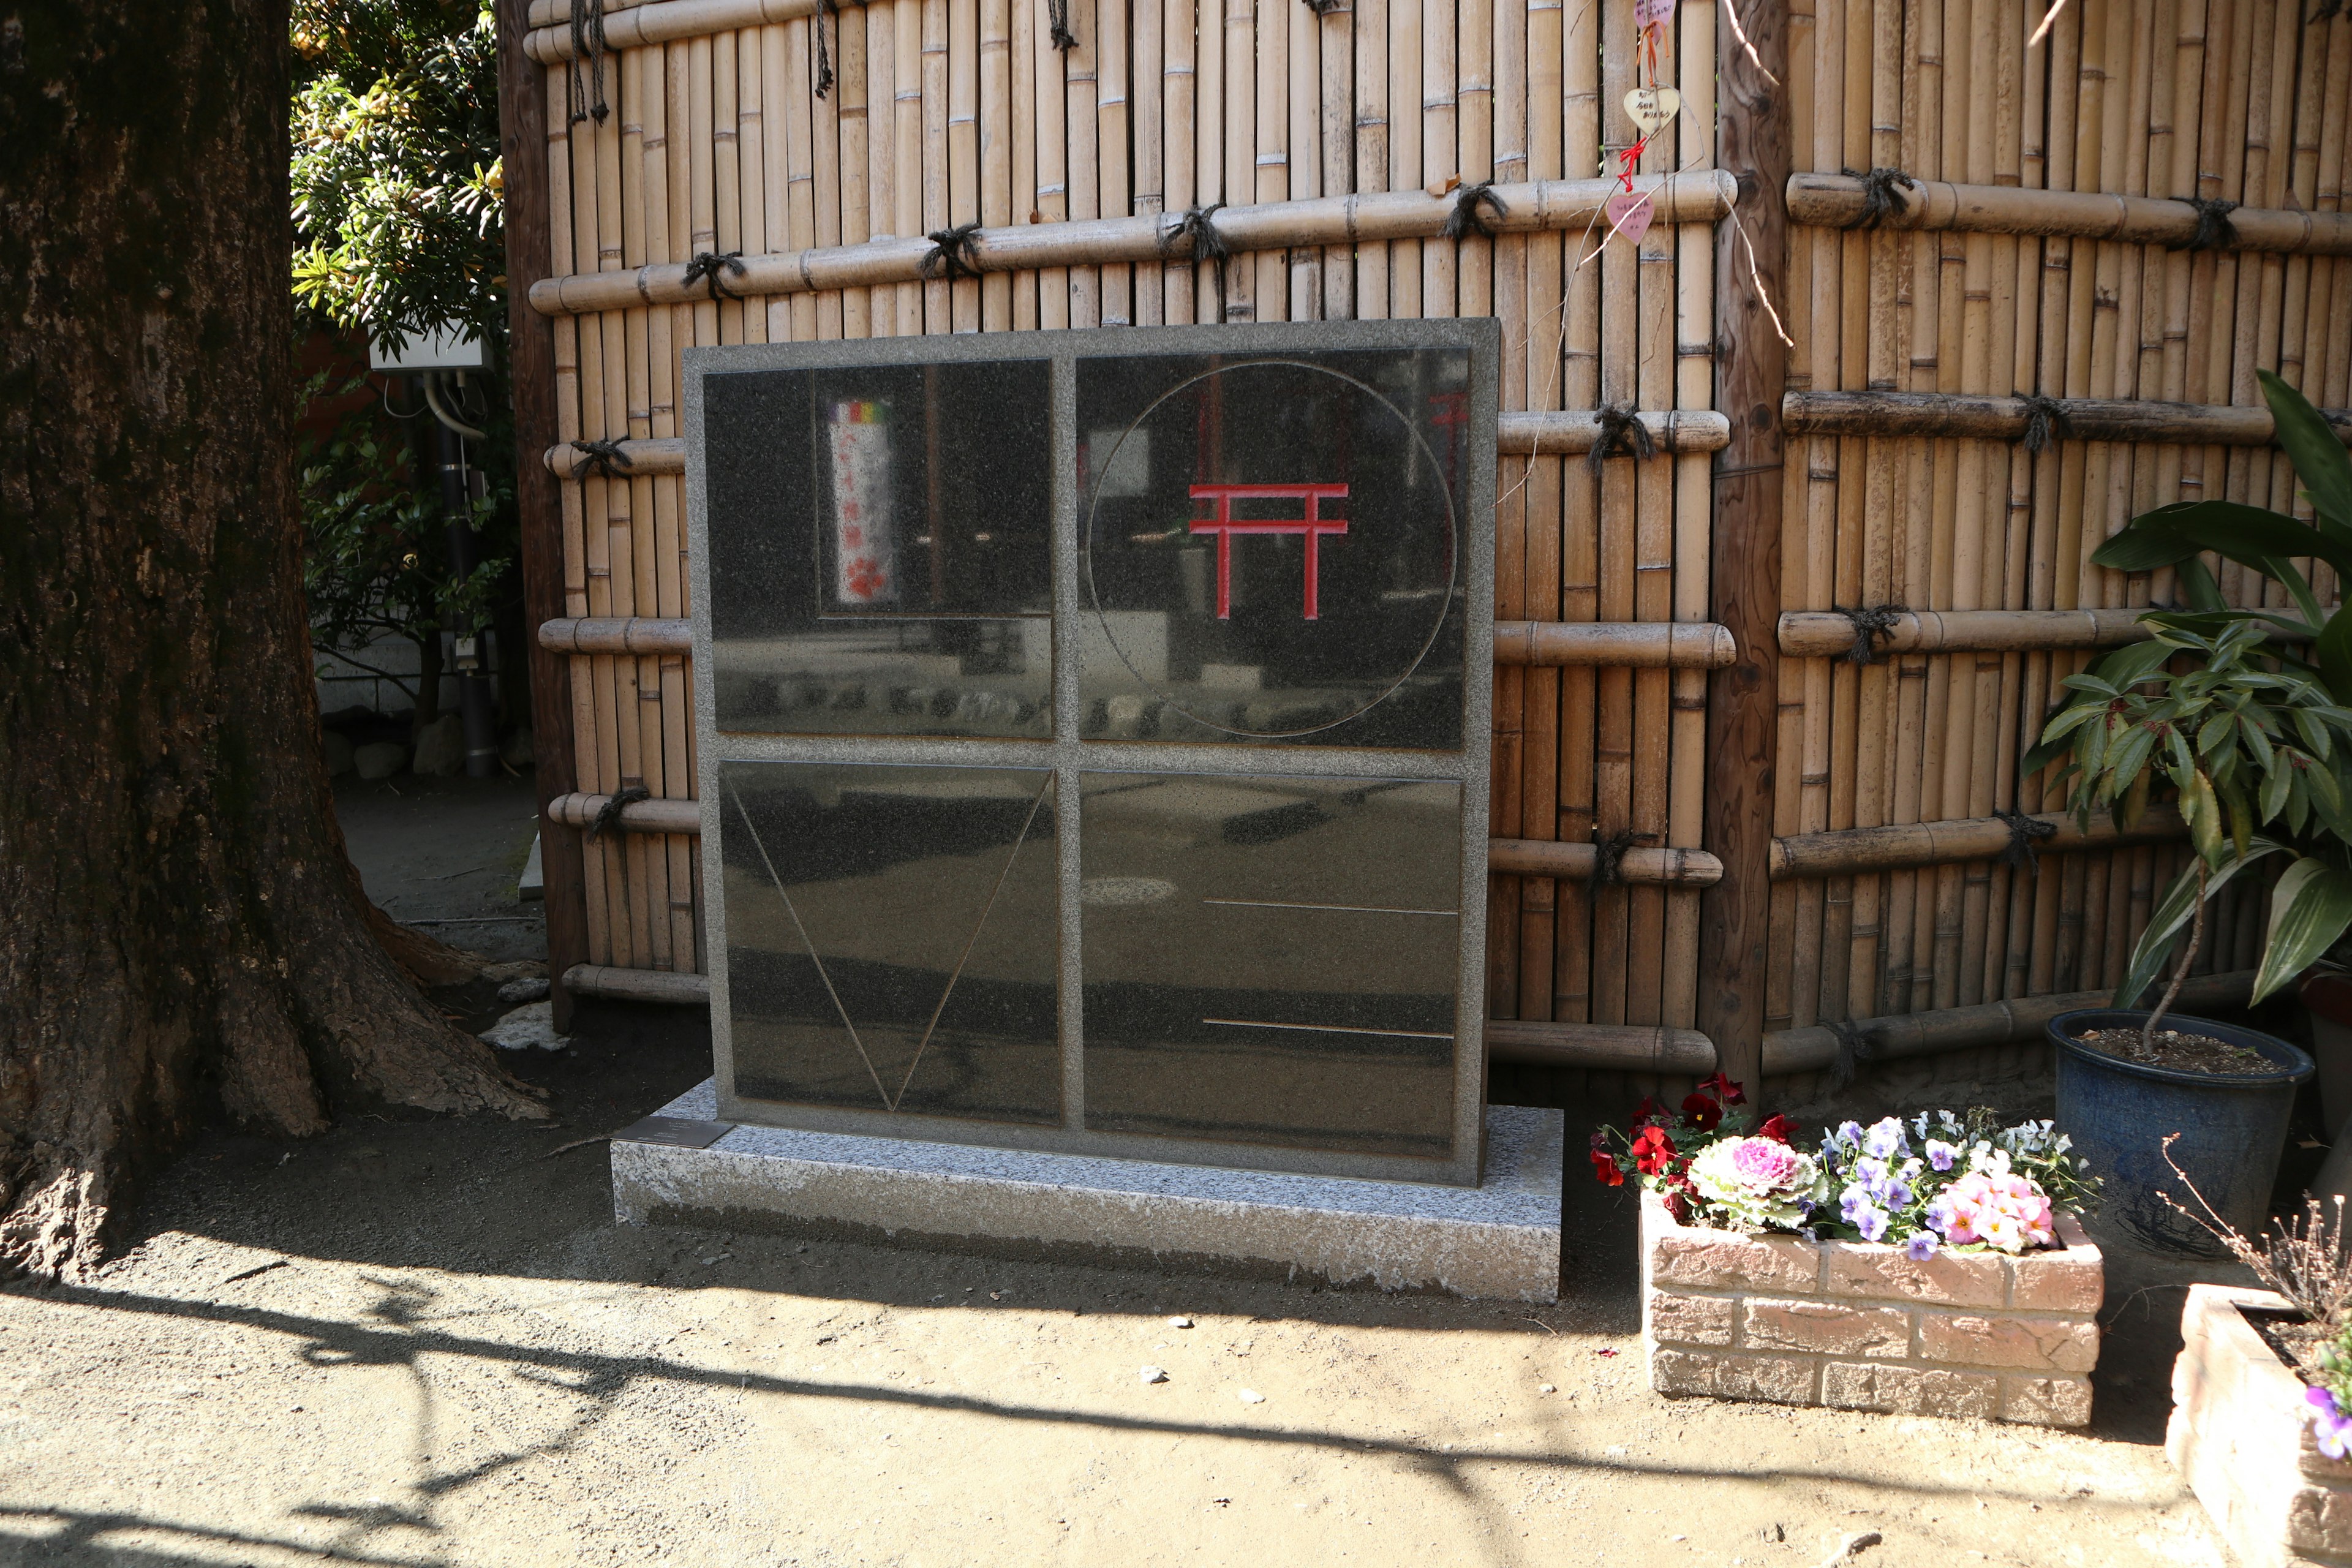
(587, 41)
(823, 56)
(708, 265)
(609, 814)
(1609, 860)
(1854, 1048)
(1465, 220)
(1057, 17)
(952, 252)
(2214, 229)
(602, 457)
(1325, 8)
(2326, 11)
(1871, 626)
(1622, 435)
(1198, 230)
(2024, 831)
(1879, 201)
(2045, 421)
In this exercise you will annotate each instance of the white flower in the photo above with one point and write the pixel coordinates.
(1757, 1184)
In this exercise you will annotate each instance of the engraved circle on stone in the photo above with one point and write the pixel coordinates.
(1445, 600)
(1120, 892)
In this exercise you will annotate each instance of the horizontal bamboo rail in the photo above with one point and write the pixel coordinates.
(2005, 419)
(1892, 848)
(1551, 432)
(1837, 200)
(1615, 644)
(1825, 633)
(1573, 861)
(2013, 1021)
(618, 634)
(1618, 645)
(1618, 1047)
(632, 24)
(681, 816)
(610, 984)
(1699, 197)
(1537, 857)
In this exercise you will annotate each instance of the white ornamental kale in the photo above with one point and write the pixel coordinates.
(1757, 1184)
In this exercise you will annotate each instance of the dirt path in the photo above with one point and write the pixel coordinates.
(424, 1342)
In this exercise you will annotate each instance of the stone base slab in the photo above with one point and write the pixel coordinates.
(1499, 1241)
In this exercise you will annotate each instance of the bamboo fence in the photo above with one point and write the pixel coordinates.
(2041, 255)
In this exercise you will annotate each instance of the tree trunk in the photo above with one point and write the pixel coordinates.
(181, 933)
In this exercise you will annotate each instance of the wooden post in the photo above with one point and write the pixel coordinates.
(1743, 700)
(538, 504)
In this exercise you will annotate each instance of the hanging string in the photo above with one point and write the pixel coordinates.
(609, 814)
(1871, 626)
(1466, 218)
(1198, 228)
(823, 56)
(2024, 831)
(708, 265)
(952, 252)
(1879, 201)
(1058, 16)
(2214, 229)
(588, 43)
(1622, 435)
(604, 456)
(2045, 421)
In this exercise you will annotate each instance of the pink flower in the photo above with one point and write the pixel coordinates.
(2006, 1211)
(1763, 1163)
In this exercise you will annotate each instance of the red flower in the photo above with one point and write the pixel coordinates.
(1644, 1112)
(1779, 1129)
(1606, 1170)
(1723, 1088)
(1702, 1112)
(1678, 1208)
(1652, 1150)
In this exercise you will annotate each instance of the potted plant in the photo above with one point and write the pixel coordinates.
(2241, 715)
(1931, 1266)
(2261, 1413)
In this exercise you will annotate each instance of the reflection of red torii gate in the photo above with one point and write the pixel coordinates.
(1313, 524)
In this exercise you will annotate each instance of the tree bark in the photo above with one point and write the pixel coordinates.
(182, 934)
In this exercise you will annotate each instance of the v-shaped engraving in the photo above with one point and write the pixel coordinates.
(891, 1102)
(807, 941)
(973, 940)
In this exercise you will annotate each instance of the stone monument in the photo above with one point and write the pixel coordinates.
(1093, 745)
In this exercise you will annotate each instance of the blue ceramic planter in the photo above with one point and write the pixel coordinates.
(2232, 1127)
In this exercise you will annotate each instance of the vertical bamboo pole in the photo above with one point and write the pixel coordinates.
(642, 677)
(1052, 172)
(1182, 130)
(666, 499)
(1374, 157)
(750, 187)
(611, 555)
(526, 131)
(1084, 127)
(775, 169)
(1619, 267)
(964, 148)
(1858, 694)
(1025, 28)
(881, 21)
(996, 111)
(1694, 376)
(1405, 127)
(1569, 349)
(1793, 952)
(1752, 140)
(1114, 129)
(1823, 908)
(1440, 140)
(786, 49)
(1904, 467)
(1241, 86)
(912, 158)
(1150, 143)
(853, 94)
(1336, 136)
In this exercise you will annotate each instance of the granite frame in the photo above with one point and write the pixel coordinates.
(1069, 756)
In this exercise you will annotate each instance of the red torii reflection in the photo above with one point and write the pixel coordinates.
(1314, 525)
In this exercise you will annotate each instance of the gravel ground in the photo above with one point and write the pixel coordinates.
(423, 1342)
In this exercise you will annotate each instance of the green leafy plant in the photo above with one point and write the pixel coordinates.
(2245, 715)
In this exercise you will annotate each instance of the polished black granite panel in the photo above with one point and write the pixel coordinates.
(1272, 960)
(880, 550)
(892, 938)
(1271, 550)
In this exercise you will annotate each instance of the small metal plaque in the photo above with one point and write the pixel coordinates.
(676, 1132)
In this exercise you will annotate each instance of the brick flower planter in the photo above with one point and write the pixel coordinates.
(1861, 1327)
(2239, 1435)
